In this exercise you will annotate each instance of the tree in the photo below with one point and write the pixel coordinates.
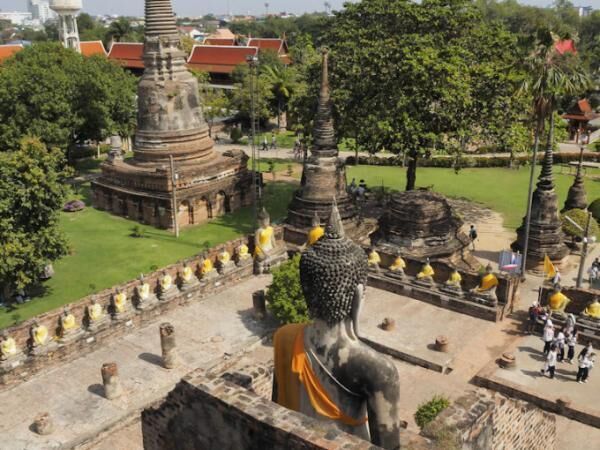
(410, 77)
(241, 100)
(119, 29)
(62, 97)
(32, 192)
(283, 82)
(284, 296)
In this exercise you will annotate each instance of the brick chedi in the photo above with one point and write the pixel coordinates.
(545, 236)
(171, 123)
(323, 179)
(421, 224)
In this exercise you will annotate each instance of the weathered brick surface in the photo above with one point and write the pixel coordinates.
(488, 421)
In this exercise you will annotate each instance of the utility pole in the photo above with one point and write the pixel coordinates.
(174, 177)
(253, 62)
(584, 250)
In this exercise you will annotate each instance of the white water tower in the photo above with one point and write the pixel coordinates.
(67, 11)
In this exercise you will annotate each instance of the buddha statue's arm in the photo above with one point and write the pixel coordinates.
(382, 405)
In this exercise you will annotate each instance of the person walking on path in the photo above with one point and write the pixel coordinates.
(534, 313)
(550, 364)
(548, 336)
(560, 345)
(273, 141)
(265, 145)
(571, 339)
(473, 236)
(586, 362)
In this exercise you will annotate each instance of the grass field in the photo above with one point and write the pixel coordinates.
(104, 254)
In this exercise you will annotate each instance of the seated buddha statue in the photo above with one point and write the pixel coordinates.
(167, 289)
(188, 278)
(266, 252)
(242, 255)
(453, 283)
(207, 269)
(396, 270)
(558, 301)
(96, 315)
(425, 276)
(316, 232)
(39, 337)
(374, 260)
(592, 311)
(119, 303)
(8, 347)
(68, 325)
(486, 291)
(323, 369)
(224, 262)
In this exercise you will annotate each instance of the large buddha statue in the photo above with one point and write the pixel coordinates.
(425, 276)
(558, 301)
(323, 369)
(592, 311)
(266, 252)
(316, 231)
(486, 291)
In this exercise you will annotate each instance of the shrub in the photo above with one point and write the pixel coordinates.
(137, 231)
(74, 206)
(579, 216)
(235, 135)
(594, 208)
(284, 296)
(428, 411)
(290, 170)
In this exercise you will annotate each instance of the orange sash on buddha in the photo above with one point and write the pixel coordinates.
(293, 372)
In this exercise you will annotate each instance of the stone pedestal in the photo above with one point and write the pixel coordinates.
(72, 335)
(190, 284)
(452, 289)
(508, 361)
(244, 262)
(487, 298)
(169, 294)
(442, 344)
(43, 424)
(146, 303)
(259, 304)
(210, 276)
(226, 268)
(426, 282)
(111, 381)
(167, 345)
(388, 324)
(396, 274)
(271, 260)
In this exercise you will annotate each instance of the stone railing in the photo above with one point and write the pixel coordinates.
(88, 335)
(506, 291)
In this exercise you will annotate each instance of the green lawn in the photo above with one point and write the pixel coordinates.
(104, 253)
(502, 190)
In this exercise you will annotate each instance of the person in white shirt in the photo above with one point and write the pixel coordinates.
(548, 336)
(560, 345)
(586, 362)
(571, 339)
(550, 364)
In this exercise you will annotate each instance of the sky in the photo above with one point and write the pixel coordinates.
(201, 7)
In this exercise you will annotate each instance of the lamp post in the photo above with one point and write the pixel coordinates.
(253, 63)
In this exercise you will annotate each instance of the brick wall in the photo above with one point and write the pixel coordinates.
(89, 341)
(481, 420)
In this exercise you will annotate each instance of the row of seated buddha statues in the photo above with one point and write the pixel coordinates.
(323, 369)
(588, 318)
(268, 253)
(484, 293)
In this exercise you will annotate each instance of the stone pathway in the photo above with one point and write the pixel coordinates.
(207, 331)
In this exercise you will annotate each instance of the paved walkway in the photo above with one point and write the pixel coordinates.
(72, 393)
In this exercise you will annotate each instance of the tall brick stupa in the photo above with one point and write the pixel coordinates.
(323, 179)
(171, 124)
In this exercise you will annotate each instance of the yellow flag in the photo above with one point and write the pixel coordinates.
(549, 269)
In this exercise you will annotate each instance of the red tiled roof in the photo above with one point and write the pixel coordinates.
(6, 51)
(219, 59)
(278, 45)
(565, 46)
(128, 54)
(584, 106)
(89, 48)
(219, 41)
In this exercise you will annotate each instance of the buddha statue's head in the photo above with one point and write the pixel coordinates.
(264, 219)
(333, 273)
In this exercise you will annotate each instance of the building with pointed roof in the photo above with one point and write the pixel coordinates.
(130, 55)
(7, 51)
(175, 175)
(220, 60)
(91, 48)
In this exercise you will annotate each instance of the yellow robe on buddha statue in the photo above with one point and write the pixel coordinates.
(95, 311)
(144, 291)
(593, 310)
(374, 258)
(68, 322)
(243, 251)
(207, 266)
(120, 301)
(40, 335)
(314, 235)
(558, 301)
(188, 273)
(224, 257)
(264, 241)
(8, 347)
(455, 279)
(426, 272)
(488, 282)
(293, 372)
(399, 264)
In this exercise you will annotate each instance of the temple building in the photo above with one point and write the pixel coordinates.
(323, 179)
(421, 224)
(171, 129)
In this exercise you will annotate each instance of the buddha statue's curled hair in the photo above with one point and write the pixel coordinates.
(330, 271)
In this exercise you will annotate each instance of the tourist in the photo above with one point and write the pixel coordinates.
(596, 263)
(361, 190)
(571, 339)
(473, 236)
(550, 364)
(560, 345)
(587, 349)
(534, 313)
(265, 145)
(548, 336)
(273, 141)
(556, 279)
(352, 187)
(593, 273)
(586, 362)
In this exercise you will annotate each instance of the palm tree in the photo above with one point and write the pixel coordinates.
(552, 75)
(119, 29)
(283, 81)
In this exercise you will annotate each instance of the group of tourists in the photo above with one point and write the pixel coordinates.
(358, 192)
(265, 143)
(555, 342)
